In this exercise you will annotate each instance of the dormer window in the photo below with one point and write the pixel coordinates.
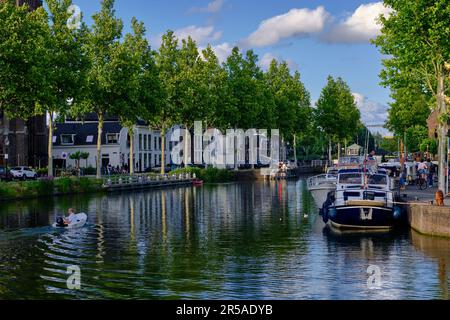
(89, 139)
(67, 139)
(112, 138)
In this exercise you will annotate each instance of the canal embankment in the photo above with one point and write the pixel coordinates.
(429, 219)
(424, 216)
(49, 187)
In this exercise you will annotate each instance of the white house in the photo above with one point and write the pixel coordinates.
(72, 136)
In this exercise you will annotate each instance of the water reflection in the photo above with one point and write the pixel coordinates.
(238, 240)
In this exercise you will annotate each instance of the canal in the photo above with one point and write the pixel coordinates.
(261, 240)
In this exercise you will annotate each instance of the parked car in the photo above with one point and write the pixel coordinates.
(23, 173)
(5, 174)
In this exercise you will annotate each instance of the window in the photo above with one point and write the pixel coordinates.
(54, 139)
(378, 179)
(67, 139)
(89, 139)
(160, 143)
(149, 142)
(140, 142)
(112, 138)
(351, 178)
(145, 142)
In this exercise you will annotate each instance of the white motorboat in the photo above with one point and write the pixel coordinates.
(321, 185)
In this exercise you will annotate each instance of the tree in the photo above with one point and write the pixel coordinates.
(336, 113)
(292, 101)
(409, 108)
(165, 117)
(192, 89)
(216, 107)
(415, 136)
(429, 145)
(415, 37)
(103, 80)
(85, 156)
(65, 67)
(140, 90)
(23, 38)
(77, 157)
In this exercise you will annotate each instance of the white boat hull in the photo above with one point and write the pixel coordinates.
(79, 222)
(320, 193)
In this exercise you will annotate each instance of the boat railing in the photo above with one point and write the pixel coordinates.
(144, 179)
(321, 179)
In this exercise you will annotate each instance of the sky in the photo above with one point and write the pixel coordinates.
(316, 37)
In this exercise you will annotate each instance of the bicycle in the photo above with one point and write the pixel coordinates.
(421, 183)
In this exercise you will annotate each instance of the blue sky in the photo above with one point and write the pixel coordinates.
(316, 37)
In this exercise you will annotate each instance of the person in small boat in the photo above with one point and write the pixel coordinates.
(65, 221)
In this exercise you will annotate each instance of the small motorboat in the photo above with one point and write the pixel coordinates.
(79, 222)
(197, 182)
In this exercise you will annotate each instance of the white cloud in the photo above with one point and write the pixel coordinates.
(372, 113)
(295, 23)
(267, 58)
(361, 26)
(212, 7)
(223, 50)
(201, 35)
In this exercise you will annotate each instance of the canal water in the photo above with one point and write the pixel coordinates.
(260, 240)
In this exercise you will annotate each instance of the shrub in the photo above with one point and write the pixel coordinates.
(89, 171)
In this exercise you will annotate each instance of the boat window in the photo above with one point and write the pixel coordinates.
(350, 178)
(378, 179)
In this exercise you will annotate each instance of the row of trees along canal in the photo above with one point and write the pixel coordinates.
(416, 41)
(48, 67)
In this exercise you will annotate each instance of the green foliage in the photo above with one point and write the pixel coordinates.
(389, 144)
(415, 39)
(411, 107)
(292, 101)
(48, 187)
(23, 36)
(429, 145)
(336, 113)
(415, 137)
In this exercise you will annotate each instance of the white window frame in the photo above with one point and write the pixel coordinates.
(67, 144)
(110, 134)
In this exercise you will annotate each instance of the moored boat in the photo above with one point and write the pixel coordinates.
(362, 200)
(320, 186)
(197, 182)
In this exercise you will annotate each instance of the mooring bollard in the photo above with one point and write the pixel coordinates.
(439, 196)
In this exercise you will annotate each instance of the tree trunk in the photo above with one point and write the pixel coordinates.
(131, 134)
(186, 147)
(50, 146)
(339, 150)
(442, 133)
(235, 151)
(99, 145)
(330, 156)
(295, 148)
(163, 150)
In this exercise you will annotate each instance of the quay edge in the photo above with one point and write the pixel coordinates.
(429, 219)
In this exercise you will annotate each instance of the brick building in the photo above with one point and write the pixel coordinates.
(433, 125)
(24, 142)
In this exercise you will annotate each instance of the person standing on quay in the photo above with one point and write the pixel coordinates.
(430, 172)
